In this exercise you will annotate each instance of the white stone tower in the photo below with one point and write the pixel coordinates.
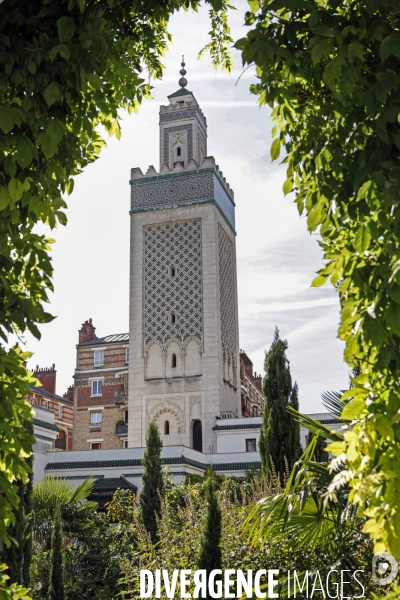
(184, 349)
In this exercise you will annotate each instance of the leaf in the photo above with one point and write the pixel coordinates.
(6, 119)
(319, 280)
(275, 149)
(315, 216)
(48, 145)
(4, 197)
(52, 93)
(15, 189)
(94, 80)
(24, 152)
(353, 409)
(362, 239)
(390, 46)
(55, 131)
(288, 186)
(66, 28)
(336, 448)
(384, 427)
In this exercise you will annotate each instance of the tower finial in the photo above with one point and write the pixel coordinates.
(183, 81)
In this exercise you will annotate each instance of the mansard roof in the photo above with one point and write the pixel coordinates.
(115, 337)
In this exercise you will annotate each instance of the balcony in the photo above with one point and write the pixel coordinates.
(60, 444)
(121, 428)
(121, 397)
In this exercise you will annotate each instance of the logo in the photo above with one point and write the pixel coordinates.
(384, 568)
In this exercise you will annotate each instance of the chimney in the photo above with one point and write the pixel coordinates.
(47, 377)
(258, 381)
(69, 394)
(87, 332)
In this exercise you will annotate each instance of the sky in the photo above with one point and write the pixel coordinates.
(276, 256)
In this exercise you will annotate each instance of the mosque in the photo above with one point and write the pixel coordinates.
(180, 365)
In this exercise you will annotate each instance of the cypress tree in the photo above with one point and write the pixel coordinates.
(295, 433)
(209, 557)
(153, 483)
(56, 588)
(278, 436)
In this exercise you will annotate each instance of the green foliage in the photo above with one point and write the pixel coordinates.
(210, 555)
(280, 435)
(313, 520)
(66, 69)
(56, 588)
(221, 39)
(153, 483)
(331, 74)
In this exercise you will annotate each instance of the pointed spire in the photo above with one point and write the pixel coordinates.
(183, 81)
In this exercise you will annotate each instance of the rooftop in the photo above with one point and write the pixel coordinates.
(115, 337)
(43, 392)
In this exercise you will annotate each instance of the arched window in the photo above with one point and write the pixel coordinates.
(178, 151)
(197, 436)
(173, 361)
(166, 428)
(172, 317)
(172, 271)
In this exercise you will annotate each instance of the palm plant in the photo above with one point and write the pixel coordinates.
(311, 511)
(52, 493)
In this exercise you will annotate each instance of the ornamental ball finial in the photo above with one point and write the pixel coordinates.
(183, 81)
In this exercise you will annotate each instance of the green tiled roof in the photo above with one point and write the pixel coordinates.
(136, 462)
(122, 462)
(112, 483)
(218, 427)
(236, 466)
(40, 423)
(181, 92)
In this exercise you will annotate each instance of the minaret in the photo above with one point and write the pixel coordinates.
(184, 353)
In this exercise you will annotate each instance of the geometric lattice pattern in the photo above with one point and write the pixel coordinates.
(227, 291)
(176, 116)
(177, 246)
(172, 190)
(182, 114)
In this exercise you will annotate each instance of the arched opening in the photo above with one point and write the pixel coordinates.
(172, 271)
(172, 317)
(173, 362)
(166, 428)
(178, 151)
(197, 436)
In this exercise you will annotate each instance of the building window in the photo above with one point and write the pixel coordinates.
(172, 317)
(166, 428)
(178, 151)
(251, 445)
(173, 361)
(125, 444)
(172, 271)
(60, 411)
(46, 404)
(125, 416)
(96, 417)
(95, 445)
(126, 355)
(97, 387)
(99, 358)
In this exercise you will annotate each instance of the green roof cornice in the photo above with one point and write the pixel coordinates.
(181, 92)
(45, 425)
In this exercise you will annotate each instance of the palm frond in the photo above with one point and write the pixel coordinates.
(315, 426)
(333, 403)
